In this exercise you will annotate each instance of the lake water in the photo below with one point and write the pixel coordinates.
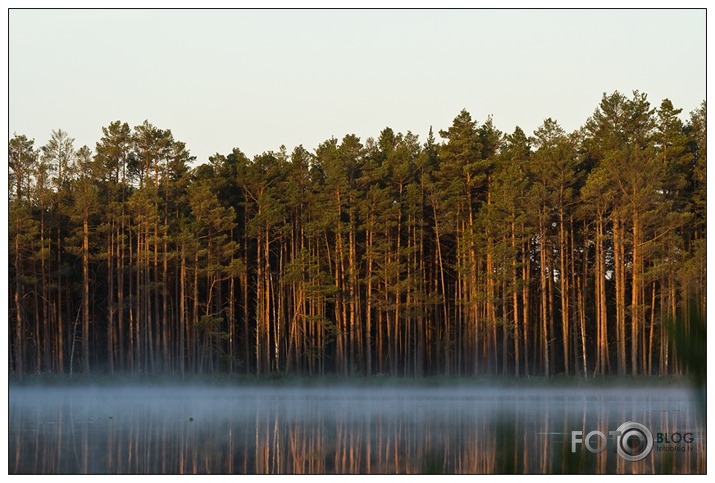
(366, 430)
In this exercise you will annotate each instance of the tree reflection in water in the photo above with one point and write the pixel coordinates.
(373, 430)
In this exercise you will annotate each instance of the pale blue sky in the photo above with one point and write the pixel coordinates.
(256, 79)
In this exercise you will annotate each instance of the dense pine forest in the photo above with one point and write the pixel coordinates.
(483, 253)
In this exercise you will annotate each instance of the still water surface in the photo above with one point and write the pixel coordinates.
(366, 430)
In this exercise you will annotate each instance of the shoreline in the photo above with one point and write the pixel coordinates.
(291, 380)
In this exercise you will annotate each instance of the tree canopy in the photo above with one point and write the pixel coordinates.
(485, 253)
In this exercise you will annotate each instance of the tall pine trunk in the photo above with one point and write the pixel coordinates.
(85, 294)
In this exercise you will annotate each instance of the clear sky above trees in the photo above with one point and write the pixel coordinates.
(256, 79)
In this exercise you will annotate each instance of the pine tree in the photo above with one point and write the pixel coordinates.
(113, 152)
(22, 160)
(85, 205)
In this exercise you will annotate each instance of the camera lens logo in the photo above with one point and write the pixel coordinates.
(634, 441)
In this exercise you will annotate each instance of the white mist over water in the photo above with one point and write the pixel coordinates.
(211, 401)
(372, 429)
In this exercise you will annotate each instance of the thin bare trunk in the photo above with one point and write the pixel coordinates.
(85, 295)
(564, 289)
(636, 293)
(19, 323)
